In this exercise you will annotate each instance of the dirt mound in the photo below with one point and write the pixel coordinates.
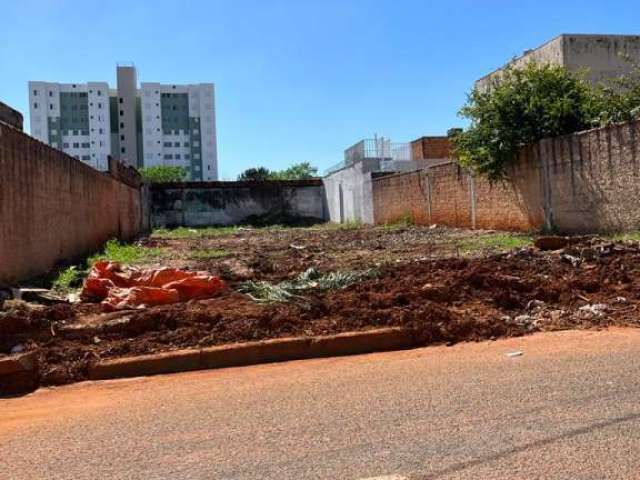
(442, 301)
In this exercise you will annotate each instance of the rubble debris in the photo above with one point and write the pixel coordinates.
(597, 309)
(131, 288)
(517, 353)
(37, 295)
(440, 299)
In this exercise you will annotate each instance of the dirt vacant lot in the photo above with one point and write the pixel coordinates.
(446, 285)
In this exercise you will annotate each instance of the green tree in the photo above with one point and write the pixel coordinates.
(255, 174)
(163, 173)
(524, 106)
(618, 98)
(299, 171)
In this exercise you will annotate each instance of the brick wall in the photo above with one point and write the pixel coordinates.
(54, 207)
(401, 195)
(430, 147)
(10, 116)
(585, 182)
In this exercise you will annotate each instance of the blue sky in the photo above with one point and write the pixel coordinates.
(296, 80)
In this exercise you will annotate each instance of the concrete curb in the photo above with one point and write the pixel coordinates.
(251, 353)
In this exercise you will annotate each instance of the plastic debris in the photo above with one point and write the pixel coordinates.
(596, 309)
(132, 288)
(517, 353)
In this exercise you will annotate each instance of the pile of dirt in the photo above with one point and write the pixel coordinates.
(591, 284)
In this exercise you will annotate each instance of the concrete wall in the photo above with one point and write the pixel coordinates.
(194, 204)
(586, 182)
(53, 207)
(600, 55)
(348, 192)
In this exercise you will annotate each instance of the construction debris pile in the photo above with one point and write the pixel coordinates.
(579, 283)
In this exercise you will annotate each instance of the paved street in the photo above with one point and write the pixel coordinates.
(567, 408)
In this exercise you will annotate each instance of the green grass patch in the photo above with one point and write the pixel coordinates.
(208, 254)
(187, 232)
(267, 292)
(494, 241)
(114, 251)
(623, 237)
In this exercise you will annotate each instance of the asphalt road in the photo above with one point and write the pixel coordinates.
(568, 408)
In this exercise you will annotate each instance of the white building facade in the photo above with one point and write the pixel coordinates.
(156, 124)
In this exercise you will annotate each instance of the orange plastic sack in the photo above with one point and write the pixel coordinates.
(144, 288)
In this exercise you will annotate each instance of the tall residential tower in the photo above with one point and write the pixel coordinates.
(156, 124)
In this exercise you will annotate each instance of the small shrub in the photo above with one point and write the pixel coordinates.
(67, 279)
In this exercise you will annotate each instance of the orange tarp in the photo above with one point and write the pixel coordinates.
(133, 288)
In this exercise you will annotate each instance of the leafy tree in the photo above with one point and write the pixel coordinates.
(299, 171)
(255, 174)
(618, 98)
(163, 173)
(524, 106)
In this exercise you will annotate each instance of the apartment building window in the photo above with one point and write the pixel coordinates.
(85, 145)
(187, 156)
(51, 106)
(100, 131)
(35, 105)
(122, 137)
(54, 132)
(35, 93)
(121, 112)
(120, 100)
(85, 157)
(168, 156)
(177, 157)
(186, 144)
(65, 145)
(122, 150)
(99, 93)
(76, 145)
(99, 105)
(166, 144)
(121, 125)
(176, 144)
(196, 144)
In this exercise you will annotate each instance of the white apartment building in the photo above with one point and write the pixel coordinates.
(156, 124)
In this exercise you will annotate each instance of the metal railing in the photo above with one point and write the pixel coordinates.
(374, 148)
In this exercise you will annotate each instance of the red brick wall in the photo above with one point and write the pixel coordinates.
(585, 182)
(54, 207)
(443, 195)
(398, 196)
(430, 147)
